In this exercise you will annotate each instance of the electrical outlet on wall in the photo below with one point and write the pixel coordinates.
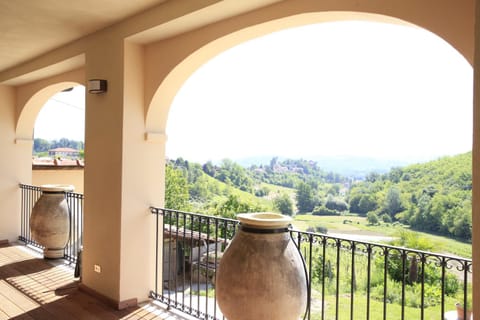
(97, 268)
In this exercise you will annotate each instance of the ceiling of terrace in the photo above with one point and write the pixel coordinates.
(29, 28)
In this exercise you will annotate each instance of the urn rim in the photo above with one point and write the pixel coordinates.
(57, 187)
(264, 219)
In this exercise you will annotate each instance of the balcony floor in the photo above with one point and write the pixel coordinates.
(34, 288)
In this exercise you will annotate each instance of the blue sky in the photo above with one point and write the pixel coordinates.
(343, 88)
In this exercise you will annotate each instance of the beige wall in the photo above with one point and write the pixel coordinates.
(15, 155)
(103, 173)
(60, 176)
(143, 184)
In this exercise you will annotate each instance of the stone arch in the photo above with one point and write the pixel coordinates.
(191, 58)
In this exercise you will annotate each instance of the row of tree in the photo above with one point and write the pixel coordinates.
(42, 145)
(433, 197)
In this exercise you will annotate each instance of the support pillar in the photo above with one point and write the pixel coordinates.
(15, 166)
(124, 176)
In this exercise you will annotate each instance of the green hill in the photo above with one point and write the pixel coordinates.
(434, 197)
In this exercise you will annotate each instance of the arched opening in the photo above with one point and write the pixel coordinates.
(194, 57)
(59, 140)
(345, 87)
(26, 123)
(33, 105)
(354, 103)
(248, 127)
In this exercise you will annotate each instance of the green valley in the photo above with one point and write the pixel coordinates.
(433, 198)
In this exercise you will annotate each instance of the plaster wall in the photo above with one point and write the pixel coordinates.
(142, 184)
(103, 170)
(15, 164)
(61, 176)
(123, 178)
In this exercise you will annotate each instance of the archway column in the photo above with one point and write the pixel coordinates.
(123, 178)
(15, 166)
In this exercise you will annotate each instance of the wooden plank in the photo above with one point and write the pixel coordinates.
(92, 305)
(21, 300)
(31, 288)
(41, 314)
(3, 316)
(65, 309)
(8, 307)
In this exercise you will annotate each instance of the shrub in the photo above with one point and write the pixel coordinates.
(386, 218)
(372, 218)
(321, 229)
(324, 211)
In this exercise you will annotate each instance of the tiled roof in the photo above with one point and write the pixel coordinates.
(40, 163)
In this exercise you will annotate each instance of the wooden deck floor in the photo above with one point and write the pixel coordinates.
(33, 288)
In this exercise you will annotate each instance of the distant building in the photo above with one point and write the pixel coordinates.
(63, 153)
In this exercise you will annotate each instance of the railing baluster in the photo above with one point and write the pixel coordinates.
(369, 272)
(337, 284)
(352, 282)
(385, 274)
(309, 275)
(404, 257)
(324, 249)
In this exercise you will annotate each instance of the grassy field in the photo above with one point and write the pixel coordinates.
(393, 311)
(358, 225)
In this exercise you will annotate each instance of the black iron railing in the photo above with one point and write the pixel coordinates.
(29, 196)
(190, 252)
(348, 279)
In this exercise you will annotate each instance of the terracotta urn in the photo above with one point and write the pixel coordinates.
(261, 275)
(50, 220)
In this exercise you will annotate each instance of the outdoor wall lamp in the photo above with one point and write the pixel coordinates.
(96, 86)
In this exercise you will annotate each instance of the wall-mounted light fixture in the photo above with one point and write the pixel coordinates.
(97, 86)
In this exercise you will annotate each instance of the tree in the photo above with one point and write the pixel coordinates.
(40, 145)
(336, 204)
(233, 174)
(393, 202)
(209, 169)
(305, 198)
(284, 204)
(372, 218)
(421, 218)
(367, 203)
(176, 189)
(233, 205)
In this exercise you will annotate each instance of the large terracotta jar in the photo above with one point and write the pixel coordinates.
(50, 220)
(261, 275)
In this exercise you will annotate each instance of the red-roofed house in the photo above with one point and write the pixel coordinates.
(63, 153)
